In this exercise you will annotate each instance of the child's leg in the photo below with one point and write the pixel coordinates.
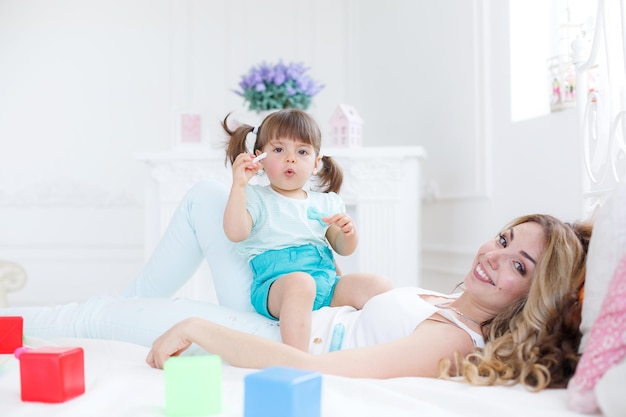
(196, 232)
(291, 299)
(355, 289)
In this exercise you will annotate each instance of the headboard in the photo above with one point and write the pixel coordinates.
(600, 60)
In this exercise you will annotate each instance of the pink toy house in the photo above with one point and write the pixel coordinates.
(346, 127)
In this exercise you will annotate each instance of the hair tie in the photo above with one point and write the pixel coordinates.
(255, 130)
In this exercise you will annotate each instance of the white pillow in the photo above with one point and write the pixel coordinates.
(605, 348)
(607, 245)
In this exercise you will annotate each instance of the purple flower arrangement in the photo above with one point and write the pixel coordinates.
(280, 86)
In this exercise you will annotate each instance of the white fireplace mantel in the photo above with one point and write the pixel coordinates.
(381, 189)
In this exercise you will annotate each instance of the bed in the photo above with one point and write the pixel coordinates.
(119, 383)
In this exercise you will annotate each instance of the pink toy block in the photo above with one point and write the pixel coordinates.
(52, 374)
(282, 392)
(11, 333)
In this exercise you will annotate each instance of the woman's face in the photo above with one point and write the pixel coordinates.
(289, 164)
(503, 266)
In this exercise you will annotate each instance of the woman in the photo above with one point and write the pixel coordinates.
(520, 300)
(521, 293)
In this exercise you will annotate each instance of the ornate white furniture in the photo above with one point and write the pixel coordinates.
(601, 103)
(12, 278)
(381, 190)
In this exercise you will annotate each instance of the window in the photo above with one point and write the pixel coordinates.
(542, 73)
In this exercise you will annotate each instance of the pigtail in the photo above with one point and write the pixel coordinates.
(236, 143)
(330, 176)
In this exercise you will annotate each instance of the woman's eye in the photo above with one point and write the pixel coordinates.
(502, 240)
(520, 267)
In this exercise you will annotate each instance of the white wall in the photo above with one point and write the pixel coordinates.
(533, 167)
(85, 85)
(444, 83)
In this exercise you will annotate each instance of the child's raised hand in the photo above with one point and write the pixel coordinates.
(342, 221)
(244, 168)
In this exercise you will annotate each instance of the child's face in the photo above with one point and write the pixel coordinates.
(289, 164)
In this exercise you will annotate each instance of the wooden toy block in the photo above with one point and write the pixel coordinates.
(11, 333)
(283, 392)
(52, 374)
(193, 385)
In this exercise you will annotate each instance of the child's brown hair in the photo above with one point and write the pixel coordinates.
(286, 124)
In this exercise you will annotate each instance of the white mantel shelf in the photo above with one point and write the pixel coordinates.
(381, 189)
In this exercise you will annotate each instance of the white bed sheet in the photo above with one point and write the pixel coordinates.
(118, 383)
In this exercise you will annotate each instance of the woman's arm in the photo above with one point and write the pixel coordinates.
(415, 355)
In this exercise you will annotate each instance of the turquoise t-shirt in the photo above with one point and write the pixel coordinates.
(280, 222)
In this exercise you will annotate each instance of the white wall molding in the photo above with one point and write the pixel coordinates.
(482, 114)
(74, 253)
(444, 267)
(478, 163)
(59, 273)
(352, 74)
(67, 193)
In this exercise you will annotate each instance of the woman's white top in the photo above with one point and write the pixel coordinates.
(388, 316)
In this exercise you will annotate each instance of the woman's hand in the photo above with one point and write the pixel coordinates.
(171, 343)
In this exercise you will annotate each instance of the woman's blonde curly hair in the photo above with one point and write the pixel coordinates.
(535, 341)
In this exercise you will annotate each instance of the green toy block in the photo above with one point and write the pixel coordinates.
(193, 385)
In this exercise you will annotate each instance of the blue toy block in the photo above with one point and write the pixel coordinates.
(193, 385)
(283, 392)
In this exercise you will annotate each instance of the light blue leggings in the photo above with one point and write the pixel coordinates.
(145, 310)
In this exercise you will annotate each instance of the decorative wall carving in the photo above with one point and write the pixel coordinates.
(12, 278)
(67, 193)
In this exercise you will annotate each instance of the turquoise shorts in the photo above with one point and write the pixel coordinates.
(317, 261)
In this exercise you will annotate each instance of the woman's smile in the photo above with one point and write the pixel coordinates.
(480, 273)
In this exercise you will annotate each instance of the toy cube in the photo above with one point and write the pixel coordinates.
(193, 385)
(52, 374)
(11, 333)
(283, 392)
